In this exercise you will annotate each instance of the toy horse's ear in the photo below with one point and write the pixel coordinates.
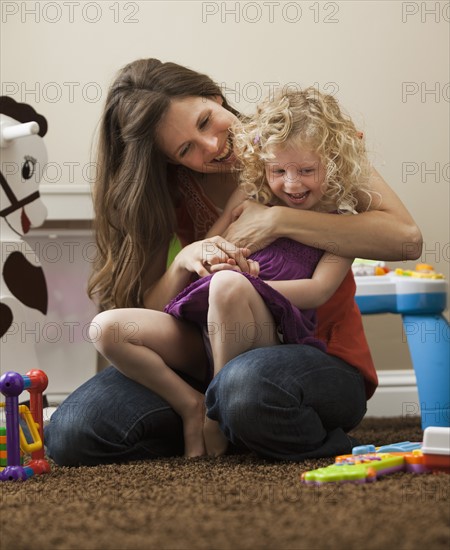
(14, 131)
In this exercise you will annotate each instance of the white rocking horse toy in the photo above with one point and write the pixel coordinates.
(23, 290)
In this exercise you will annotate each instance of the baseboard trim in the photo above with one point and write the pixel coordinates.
(67, 201)
(396, 395)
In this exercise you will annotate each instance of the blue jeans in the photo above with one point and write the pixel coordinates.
(287, 402)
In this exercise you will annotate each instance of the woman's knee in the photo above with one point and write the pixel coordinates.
(241, 391)
(67, 438)
(262, 382)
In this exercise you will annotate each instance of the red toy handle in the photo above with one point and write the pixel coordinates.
(36, 384)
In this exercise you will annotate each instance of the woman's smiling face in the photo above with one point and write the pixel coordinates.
(195, 132)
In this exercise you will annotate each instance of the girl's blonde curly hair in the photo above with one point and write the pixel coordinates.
(307, 119)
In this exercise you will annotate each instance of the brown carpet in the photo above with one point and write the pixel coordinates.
(235, 502)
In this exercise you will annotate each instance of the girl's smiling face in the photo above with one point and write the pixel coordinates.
(195, 132)
(296, 177)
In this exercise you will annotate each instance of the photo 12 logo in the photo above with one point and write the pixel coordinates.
(55, 172)
(434, 172)
(426, 91)
(427, 332)
(70, 12)
(53, 92)
(254, 92)
(270, 12)
(425, 12)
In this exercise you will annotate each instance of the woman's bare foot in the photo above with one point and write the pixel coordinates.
(216, 443)
(194, 444)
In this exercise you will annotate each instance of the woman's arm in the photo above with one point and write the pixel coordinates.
(161, 284)
(201, 258)
(192, 259)
(386, 231)
(239, 259)
(220, 226)
(312, 293)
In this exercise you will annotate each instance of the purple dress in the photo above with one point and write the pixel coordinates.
(284, 259)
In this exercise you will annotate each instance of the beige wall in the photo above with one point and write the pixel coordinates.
(386, 61)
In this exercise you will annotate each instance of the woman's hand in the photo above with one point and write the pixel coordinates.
(252, 226)
(214, 254)
(203, 258)
(252, 264)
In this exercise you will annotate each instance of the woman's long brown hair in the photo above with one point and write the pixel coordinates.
(133, 199)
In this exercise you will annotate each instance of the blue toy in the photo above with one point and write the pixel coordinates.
(420, 298)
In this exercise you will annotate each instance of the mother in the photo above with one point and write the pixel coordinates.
(166, 167)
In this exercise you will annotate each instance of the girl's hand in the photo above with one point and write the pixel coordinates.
(252, 225)
(231, 264)
(200, 257)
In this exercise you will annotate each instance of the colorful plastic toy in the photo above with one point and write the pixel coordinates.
(367, 463)
(12, 385)
(420, 299)
(363, 268)
(422, 271)
(361, 469)
(436, 449)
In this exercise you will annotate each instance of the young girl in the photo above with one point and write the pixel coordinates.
(299, 151)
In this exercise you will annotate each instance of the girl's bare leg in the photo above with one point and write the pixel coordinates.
(146, 345)
(238, 320)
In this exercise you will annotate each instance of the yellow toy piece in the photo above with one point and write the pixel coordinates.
(425, 268)
(32, 426)
(422, 271)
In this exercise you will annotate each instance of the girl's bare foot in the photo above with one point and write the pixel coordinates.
(216, 443)
(194, 444)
